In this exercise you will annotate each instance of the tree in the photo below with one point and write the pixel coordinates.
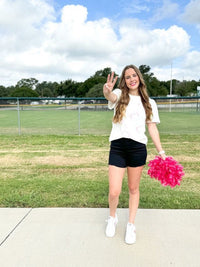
(103, 73)
(162, 91)
(29, 83)
(192, 87)
(47, 89)
(24, 92)
(154, 87)
(152, 83)
(164, 87)
(100, 77)
(6, 91)
(10, 89)
(144, 69)
(68, 88)
(3, 91)
(91, 86)
(181, 89)
(96, 91)
(147, 76)
(88, 84)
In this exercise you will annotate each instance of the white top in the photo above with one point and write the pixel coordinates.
(133, 123)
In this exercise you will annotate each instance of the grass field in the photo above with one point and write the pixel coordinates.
(71, 171)
(66, 122)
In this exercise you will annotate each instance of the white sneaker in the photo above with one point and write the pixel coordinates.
(111, 225)
(130, 237)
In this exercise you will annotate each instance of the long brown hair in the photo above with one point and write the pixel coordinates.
(124, 99)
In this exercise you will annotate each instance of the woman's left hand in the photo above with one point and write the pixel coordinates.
(163, 156)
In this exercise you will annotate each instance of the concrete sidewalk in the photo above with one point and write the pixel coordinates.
(72, 237)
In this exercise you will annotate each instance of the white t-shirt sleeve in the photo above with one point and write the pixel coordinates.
(155, 117)
(117, 92)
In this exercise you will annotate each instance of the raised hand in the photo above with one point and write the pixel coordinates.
(109, 85)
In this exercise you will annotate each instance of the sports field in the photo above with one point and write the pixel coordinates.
(47, 166)
(66, 122)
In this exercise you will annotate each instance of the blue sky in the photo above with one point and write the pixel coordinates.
(55, 40)
(149, 12)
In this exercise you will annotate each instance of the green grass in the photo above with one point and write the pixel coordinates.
(179, 123)
(49, 165)
(71, 171)
(65, 122)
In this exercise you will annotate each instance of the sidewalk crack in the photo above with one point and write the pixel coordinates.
(16, 226)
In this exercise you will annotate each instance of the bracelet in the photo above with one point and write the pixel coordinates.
(161, 152)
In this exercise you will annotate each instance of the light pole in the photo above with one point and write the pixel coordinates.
(170, 93)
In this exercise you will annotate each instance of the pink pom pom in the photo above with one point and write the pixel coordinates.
(168, 171)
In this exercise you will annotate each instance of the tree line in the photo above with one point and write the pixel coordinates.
(92, 87)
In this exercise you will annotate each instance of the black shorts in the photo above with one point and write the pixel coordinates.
(125, 152)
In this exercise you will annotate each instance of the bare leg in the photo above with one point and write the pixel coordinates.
(115, 183)
(134, 176)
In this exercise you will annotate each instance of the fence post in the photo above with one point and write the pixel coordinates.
(18, 111)
(79, 118)
(170, 105)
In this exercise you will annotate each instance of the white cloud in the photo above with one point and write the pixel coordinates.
(152, 47)
(77, 37)
(190, 69)
(23, 15)
(167, 10)
(192, 12)
(135, 6)
(37, 45)
(69, 11)
(21, 22)
(193, 60)
(191, 65)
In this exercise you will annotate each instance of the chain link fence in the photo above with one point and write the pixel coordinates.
(72, 116)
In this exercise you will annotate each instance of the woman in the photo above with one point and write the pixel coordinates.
(133, 109)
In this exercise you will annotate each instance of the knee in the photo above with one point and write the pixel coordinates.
(133, 190)
(114, 193)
